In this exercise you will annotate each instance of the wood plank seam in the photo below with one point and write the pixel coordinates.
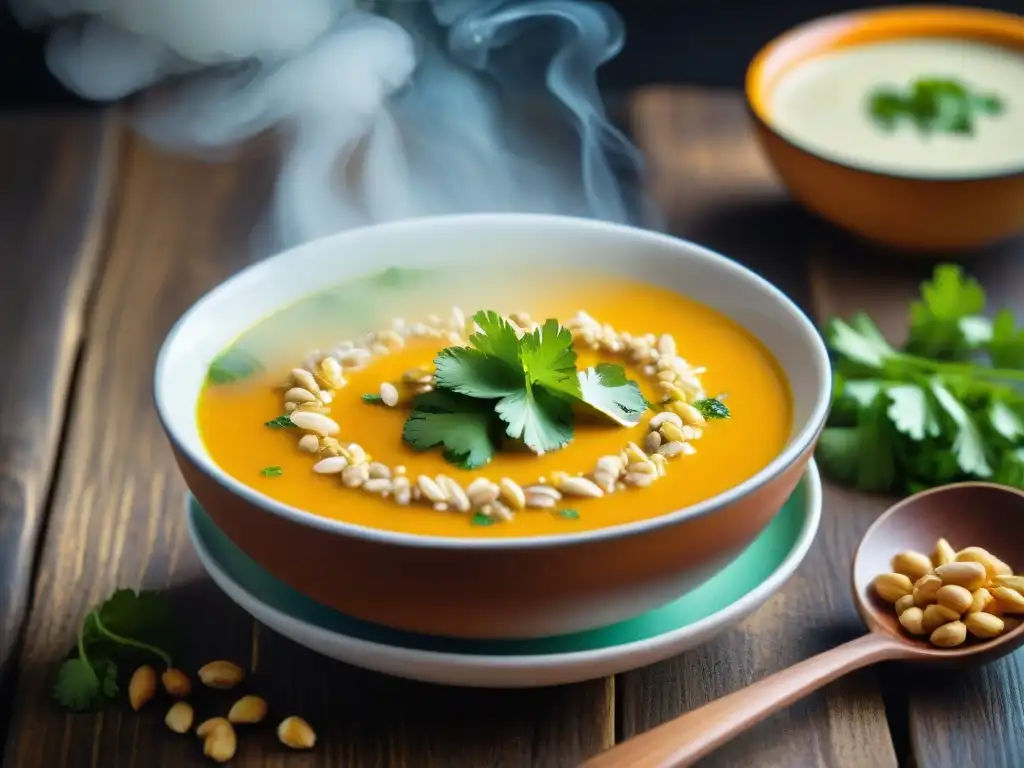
(83, 285)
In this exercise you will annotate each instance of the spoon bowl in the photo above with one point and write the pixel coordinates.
(966, 514)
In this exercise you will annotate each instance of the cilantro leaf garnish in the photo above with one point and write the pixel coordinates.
(542, 420)
(711, 408)
(472, 372)
(127, 624)
(496, 338)
(933, 105)
(549, 360)
(947, 406)
(231, 366)
(606, 389)
(465, 427)
(281, 422)
(525, 385)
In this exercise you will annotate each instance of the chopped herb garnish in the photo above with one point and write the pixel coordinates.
(231, 366)
(933, 105)
(947, 406)
(371, 397)
(523, 387)
(711, 408)
(568, 514)
(128, 624)
(481, 519)
(281, 422)
(272, 471)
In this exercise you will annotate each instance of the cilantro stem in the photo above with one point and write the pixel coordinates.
(963, 369)
(128, 641)
(82, 655)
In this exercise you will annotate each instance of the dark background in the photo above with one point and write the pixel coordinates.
(703, 42)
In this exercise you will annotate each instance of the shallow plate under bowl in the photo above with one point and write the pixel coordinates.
(722, 601)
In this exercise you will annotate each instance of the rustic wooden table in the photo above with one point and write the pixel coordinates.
(105, 240)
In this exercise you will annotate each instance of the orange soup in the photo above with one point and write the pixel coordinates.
(732, 366)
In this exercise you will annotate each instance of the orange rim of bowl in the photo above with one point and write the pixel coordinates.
(827, 34)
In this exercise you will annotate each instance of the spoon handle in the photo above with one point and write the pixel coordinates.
(687, 738)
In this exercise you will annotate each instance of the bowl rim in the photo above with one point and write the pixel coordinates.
(794, 449)
(753, 78)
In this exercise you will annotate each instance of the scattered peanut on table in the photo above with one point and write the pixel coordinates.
(952, 594)
(218, 734)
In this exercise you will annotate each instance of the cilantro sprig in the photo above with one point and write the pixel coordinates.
(947, 406)
(933, 105)
(128, 624)
(503, 387)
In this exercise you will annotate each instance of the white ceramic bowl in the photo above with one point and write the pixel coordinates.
(619, 571)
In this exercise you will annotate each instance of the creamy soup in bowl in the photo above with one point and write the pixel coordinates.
(493, 426)
(931, 107)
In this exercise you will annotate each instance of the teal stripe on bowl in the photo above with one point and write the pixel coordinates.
(753, 566)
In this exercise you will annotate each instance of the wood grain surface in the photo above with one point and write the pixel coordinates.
(118, 520)
(716, 188)
(56, 178)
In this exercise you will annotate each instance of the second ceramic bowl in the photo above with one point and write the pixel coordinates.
(905, 212)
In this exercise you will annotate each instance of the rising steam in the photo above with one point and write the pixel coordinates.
(389, 109)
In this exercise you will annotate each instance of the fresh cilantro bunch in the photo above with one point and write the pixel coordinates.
(128, 625)
(946, 407)
(526, 389)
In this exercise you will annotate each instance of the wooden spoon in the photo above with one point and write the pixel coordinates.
(966, 514)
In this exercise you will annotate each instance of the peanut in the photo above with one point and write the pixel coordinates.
(221, 674)
(949, 635)
(956, 599)
(925, 590)
(971, 576)
(1010, 600)
(179, 717)
(935, 616)
(980, 556)
(912, 564)
(981, 599)
(207, 727)
(142, 686)
(944, 553)
(912, 620)
(892, 586)
(176, 683)
(1002, 569)
(1015, 583)
(221, 743)
(904, 603)
(248, 709)
(296, 733)
(984, 625)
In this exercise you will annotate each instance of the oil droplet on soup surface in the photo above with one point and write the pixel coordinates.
(232, 416)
